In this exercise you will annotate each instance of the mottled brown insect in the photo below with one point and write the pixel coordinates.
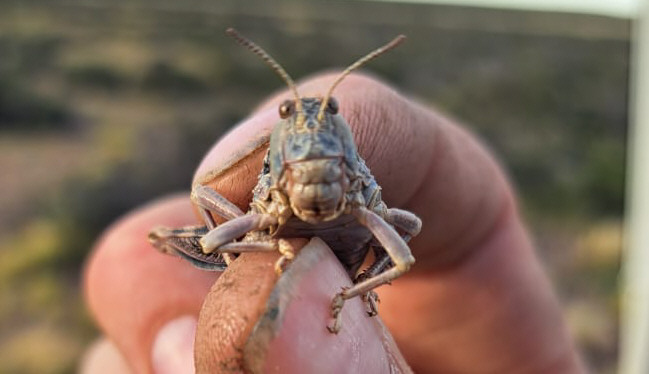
(313, 183)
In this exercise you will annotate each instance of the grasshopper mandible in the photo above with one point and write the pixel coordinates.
(312, 183)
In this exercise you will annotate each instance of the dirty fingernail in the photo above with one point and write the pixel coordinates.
(173, 348)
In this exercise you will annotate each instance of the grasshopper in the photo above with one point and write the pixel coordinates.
(312, 183)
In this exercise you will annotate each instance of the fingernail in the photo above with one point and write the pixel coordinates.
(173, 347)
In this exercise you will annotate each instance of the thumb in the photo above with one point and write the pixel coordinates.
(253, 321)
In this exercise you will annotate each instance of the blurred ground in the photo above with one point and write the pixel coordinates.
(105, 105)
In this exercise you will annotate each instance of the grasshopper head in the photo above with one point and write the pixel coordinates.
(308, 159)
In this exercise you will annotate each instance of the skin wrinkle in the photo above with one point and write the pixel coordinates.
(455, 245)
(395, 116)
(425, 130)
(373, 135)
(363, 135)
(411, 202)
(382, 116)
(376, 122)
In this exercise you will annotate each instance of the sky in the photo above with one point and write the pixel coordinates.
(616, 8)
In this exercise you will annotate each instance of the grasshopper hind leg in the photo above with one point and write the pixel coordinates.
(184, 243)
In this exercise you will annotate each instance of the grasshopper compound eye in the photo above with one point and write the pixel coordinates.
(332, 106)
(287, 109)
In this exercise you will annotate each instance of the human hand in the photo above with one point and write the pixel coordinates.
(476, 301)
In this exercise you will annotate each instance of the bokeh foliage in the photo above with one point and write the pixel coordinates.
(106, 105)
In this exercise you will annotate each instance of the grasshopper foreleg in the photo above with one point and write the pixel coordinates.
(236, 228)
(410, 225)
(394, 246)
(220, 239)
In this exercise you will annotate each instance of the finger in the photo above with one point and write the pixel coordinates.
(145, 301)
(281, 327)
(434, 168)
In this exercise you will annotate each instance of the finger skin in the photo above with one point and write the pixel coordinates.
(132, 290)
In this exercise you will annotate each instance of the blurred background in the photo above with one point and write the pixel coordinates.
(105, 105)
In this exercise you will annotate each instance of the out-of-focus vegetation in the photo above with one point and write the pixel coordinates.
(105, 105)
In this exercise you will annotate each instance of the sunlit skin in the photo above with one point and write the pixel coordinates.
(477, 301)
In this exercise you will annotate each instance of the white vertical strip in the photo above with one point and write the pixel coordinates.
(634, 339)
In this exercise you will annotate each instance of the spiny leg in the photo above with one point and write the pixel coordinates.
(183, 242)
(371, 298)
(164, 238)
(394, 246)
(208, 201)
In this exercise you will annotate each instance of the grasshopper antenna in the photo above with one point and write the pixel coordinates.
(254, 48)
(362, 61)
